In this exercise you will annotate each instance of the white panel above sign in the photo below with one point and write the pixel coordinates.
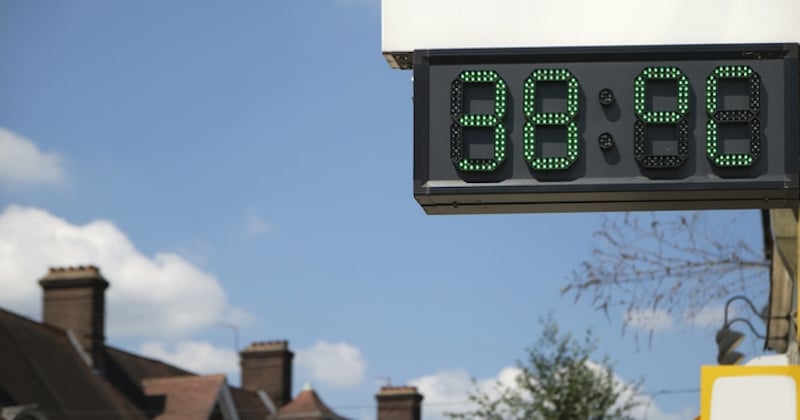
(409, 25)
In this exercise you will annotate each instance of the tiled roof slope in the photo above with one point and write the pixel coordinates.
(187, 397)
(307, 406)
(40, 366)
(127, 371)
(248, 404)
(138, 367)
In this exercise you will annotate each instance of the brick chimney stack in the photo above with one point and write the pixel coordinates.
(399, 403)
(267, 366)
(74, 299)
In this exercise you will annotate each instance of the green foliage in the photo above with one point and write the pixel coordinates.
(558, 382)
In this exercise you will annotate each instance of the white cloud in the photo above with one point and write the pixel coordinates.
(160, 295)
(256, 226)
(236, 316)
(646, 408)
(710, 316)
(649, 410)
(649, 319)
(197, 252)
(445, 390)
(448, 390)
(22, 163)
(336, 364)
(195, 356)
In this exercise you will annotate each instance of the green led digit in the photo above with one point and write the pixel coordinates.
(534, 118)
(462, 121)
(647, 118)
(718, 116)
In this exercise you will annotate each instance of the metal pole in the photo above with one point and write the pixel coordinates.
(235, 330)
(792, 352)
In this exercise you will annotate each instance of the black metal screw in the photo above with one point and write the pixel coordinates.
(606, 97)
(606, 141)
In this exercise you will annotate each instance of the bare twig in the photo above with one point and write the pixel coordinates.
(680, 265)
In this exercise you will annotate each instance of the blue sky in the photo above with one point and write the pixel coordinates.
(251, 164)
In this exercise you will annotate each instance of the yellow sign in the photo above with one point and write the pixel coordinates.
(749, 392)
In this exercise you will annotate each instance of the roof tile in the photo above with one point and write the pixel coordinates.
(307, 406)
(187, 397)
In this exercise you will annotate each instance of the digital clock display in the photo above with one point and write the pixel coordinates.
(606, 128)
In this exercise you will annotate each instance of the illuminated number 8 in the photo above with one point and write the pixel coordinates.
(717, 116)
(464, 121)
(533, 119)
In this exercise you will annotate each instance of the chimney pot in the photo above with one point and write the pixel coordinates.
(399, 403)
(74, 299)
(267, 366)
